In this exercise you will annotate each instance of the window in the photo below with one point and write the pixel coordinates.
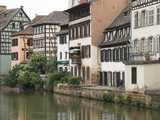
(30, 42)
(158, 15)
(109, 55)
(135, 45)
(75, 71)
(15, 42)
(66, 55)
(151, 17)
(20, 14)
(13, 26)
(125, 53)
(28, 54)
(60, 69)
(136, 19)
(65, 69)
(83, 73)
(134, 75)
(102, 55)
(72, 70)
(80, 30)
(114, 55)
(158, 44)
(110, 78)
(14, 56)
(106, 55)
(142, 45)
(121, 54)
(63, 39)
(60, 55)
(88, 73)
(86, 51)
(150, 44)
(143, 18)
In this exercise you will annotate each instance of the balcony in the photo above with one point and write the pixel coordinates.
(141, 3)
(76, 61)
(75, 52)
(64, 62)
(75, 55)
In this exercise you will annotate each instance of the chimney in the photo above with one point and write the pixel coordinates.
(3, 7)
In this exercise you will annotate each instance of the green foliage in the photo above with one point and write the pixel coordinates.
(21, 75)
(11, 78)
(51, 66)
(73, 80)
(29, 80)
(28, 76)
(108, 97)
(37, 63)
(63, 77)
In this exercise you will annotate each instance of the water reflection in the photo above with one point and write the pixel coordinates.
(57, 107)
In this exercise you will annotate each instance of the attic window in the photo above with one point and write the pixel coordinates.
(125, 13)
(13, 25)
(20, 14)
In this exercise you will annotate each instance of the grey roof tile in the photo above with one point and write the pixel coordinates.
(56, 17)
(122, 19)
(6, 16)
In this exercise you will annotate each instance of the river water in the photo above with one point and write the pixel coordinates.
(44, 106)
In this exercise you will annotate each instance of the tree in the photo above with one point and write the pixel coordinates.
(51, 66)
(29, 80)
(11, 78)
(37, 63)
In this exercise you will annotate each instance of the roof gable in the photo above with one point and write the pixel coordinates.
(122, 19)
(56, 17)
(6, 16)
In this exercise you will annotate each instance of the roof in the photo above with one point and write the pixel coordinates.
(56, 17)
(6, 16)
(29, 29)
(122, 41)
(142, 62)
(79, 6)
(122, 19)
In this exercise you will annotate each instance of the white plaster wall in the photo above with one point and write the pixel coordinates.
(140, 78)
(80, 42)
(112, 66)
(62, 48)
(152, 76)
(147, 31)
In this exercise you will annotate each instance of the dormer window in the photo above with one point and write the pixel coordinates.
(13, 26)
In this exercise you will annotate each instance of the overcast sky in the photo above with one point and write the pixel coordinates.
(40, 7)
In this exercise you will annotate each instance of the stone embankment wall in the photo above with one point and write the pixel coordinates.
(9, 89)
(115, 96)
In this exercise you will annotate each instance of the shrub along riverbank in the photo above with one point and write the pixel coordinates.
(28, 76)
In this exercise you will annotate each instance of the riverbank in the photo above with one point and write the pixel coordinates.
(150, 99)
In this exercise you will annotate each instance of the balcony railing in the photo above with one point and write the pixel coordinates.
(75, 55)
(75, 52)
(76, 61)
(137, 3)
